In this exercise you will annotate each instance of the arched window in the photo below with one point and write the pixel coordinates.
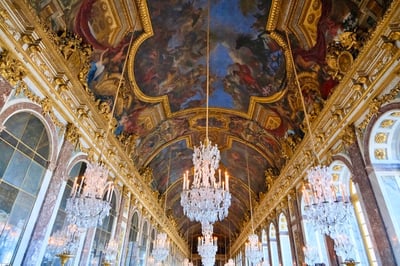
(131, 256)
(315, 250)
(352, 240)
(24, 154)
(143, 244)
(153, 237)
(384, 154)
(273, 245)
(264, 241)
(103, 234)
(60, 222)
(285, 241)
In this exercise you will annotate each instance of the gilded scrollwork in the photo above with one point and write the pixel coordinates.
(72, 134)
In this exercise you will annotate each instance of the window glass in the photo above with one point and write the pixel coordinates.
(103, 235)
(22, 169)
(132, 242)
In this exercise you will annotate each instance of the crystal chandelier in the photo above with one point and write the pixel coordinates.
(160, 247)
(207, 247)
(253, 249)
(327, 206)
(64, 241)
(206, 199)
(161, 243)
(87, 206)
(110, 252)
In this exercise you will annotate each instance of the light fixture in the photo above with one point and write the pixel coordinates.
(64, 243)
(110, 252)
(206, 199)
(207, 246)
(86, 207)
(253, 249)
(230, 261)
(161, 243)
(327, 204)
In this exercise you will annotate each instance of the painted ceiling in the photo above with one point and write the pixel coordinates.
(255, 112)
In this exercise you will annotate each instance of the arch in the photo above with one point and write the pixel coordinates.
(29, 107)
(273, 244)
(351, 243)
(284, 240)
(383, 155)
(132, 249)
(26, 149)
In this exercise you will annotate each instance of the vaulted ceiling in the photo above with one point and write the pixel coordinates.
(255, 113)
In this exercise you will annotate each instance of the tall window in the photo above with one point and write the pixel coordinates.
(315, 249)
(264, 241)
(285, 241)
(60, 221)
(132, 242)
(384, 153)
(143, 244)
(24, 153)
(103, 235)
(353, 238)
(274, 245)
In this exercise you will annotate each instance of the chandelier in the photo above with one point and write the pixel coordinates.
(86, 206)
(253, 249)
(64, 243)
(207, 246)
(206, 199)
(327, 206)
(160, 247)
(110, 252)
(161, 243)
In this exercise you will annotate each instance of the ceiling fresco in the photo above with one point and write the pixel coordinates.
(255, 109)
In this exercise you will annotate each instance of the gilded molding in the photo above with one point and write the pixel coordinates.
(375, 105)
(72, 134)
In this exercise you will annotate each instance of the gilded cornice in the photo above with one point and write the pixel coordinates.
(35, 55)
(372, 80)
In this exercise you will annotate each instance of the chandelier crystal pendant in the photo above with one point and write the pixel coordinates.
(160, 247)
(327, 205)
(253, 249)
(87, 205)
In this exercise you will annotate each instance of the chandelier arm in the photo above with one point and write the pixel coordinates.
(302, 100)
